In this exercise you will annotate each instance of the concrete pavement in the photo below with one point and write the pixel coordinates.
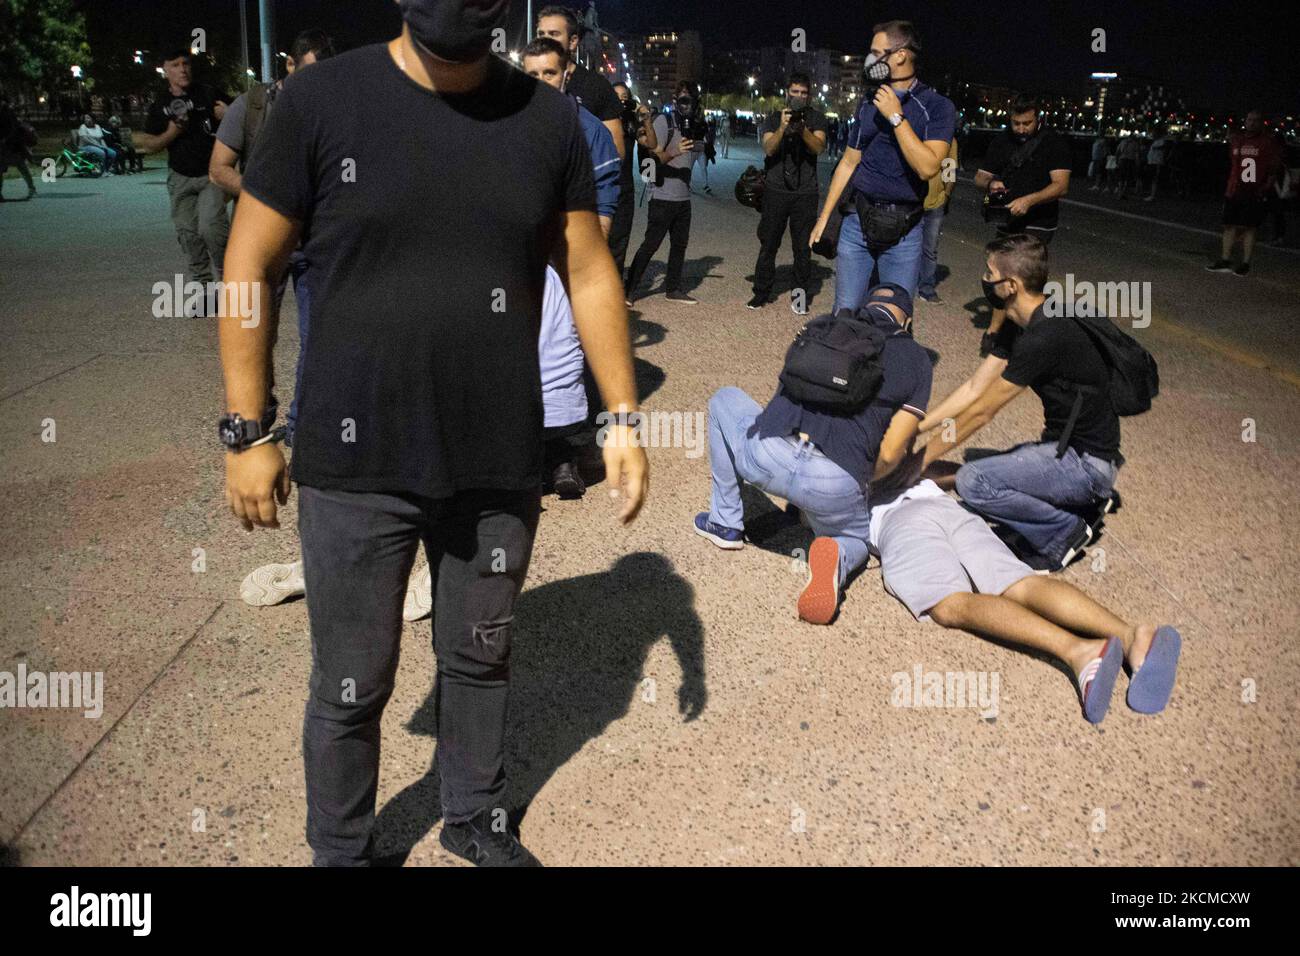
(798, 754)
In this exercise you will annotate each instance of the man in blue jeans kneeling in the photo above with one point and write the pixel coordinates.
(1041, 490)
(819, 461)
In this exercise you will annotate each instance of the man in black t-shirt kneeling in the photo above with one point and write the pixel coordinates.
(420, 410)
(1045, 491)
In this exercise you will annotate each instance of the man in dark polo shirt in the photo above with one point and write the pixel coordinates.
(1040, 490)
(792, 140)
(183, 120)
(820, 461)
(590, 89)
(1028, 166)
(428, 228)
(898, 143)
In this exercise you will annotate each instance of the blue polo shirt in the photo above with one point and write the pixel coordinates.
(853, 441)
(883, 173)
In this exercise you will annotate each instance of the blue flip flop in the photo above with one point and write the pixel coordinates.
(1149, 690)
(1097, 682)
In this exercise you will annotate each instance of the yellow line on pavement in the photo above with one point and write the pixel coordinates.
(1229, 351)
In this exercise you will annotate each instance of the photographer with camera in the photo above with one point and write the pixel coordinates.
(792, 140)
(183, 120)
(669, 211)
(896, 147)
(1025, 171)
(638, 129)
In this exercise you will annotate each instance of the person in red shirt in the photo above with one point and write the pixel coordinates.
(1254, 162)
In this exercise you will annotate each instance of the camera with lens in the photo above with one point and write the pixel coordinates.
(694, 128)
(997, 204)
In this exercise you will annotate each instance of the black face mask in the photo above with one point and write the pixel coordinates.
(454, 30)
(1023, 138)
(796, 102)
(684, 104)
(991, 294)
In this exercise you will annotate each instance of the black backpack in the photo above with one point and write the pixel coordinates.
(834, 363)
(750, 186)
(1134, 375)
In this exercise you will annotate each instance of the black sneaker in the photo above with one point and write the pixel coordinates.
(567, 482)
(1219, 265)
(1242, 270)
(933, 298)
(479, 842)
(757, 302)
(681, 297)
(1078, 541)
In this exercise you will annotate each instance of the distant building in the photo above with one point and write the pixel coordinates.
(658, 62)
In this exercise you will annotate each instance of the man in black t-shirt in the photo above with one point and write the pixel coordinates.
(590, 89)
(183, 120)
(1045, 491)
(1029, 166)
(792, 140)
(428, 227)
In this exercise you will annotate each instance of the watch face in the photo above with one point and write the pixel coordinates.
(232, 435)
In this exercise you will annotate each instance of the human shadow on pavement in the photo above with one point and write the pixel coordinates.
(694, 272)
(578, 658)
(783, 282)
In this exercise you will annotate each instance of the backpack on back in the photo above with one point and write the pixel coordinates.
(1134, 375)
(834, 363)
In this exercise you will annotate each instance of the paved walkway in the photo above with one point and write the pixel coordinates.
(798, 755)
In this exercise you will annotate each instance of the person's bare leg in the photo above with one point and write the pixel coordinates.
(1247, 245)
(1001, 617)
(1229, 238)
(1066, 605)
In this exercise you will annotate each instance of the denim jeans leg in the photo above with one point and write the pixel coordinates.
(931, 229)
(1032, 492)
(731, 412)
(479, 545)
(357, 552)
(901, 262)
(835, 506)
(854, 264)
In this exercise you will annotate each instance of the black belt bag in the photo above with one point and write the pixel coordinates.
(884, 225)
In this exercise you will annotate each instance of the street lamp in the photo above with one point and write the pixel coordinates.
(81, 86)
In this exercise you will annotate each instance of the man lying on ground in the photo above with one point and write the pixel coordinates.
(945, 564)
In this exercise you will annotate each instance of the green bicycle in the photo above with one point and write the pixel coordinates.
(71, 160)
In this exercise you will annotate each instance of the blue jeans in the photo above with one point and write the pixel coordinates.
(900, 263)
(1034, 493)
(831, 498)
(101, 154)
(931, 230)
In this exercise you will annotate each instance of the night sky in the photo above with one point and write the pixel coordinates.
(1217, 55)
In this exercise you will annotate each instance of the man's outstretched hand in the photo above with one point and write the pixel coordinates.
(627, 470)
(256, 480)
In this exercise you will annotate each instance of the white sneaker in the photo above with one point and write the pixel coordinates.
(419, 595)
(273, 584)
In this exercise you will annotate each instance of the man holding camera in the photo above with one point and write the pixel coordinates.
(793, 139)
(1026, 171)
(900, 138)
(638, 130)
(670, 196)
(183, 120)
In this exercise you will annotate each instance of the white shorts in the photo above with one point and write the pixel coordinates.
(933, 547)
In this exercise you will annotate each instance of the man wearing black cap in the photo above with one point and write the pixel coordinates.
(420, 414)
(818, 460)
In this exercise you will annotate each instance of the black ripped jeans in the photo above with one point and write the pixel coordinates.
(358, 549)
